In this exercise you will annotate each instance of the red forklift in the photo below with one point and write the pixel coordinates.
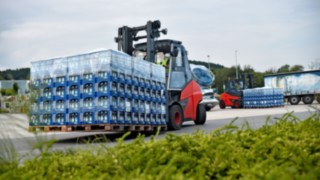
(233, 95)
(183, 92)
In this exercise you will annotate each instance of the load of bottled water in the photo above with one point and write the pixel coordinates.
(104, 87)
(263, 97)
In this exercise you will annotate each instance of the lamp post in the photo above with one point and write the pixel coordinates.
(209, 61)
(236, 64)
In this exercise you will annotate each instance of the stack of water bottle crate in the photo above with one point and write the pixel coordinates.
(100, 90)
(263, 97)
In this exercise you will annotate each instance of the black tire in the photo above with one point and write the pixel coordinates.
(175, 117)
(308, 99)
(240, 104)
(201, 115)
(208, 108)
(294, 100)
(222, 104)
(237, 104)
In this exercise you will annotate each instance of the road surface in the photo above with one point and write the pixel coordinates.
(13, 127)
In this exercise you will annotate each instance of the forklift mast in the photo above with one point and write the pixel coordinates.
(126, 36)
(247, 80)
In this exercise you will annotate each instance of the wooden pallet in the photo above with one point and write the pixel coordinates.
(141, 128)
(48, 128)
(99, 127)
(162, 128)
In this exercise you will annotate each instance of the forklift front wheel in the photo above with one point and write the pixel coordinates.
(175, 117)
(201, 115)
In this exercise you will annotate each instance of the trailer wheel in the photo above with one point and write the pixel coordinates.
(294, 100)
(222, 104)
(308, 99)
(201, 115)
(175, 117)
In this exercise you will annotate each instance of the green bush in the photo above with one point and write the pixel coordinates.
(4, 111)
(288, 149)
(8, 92)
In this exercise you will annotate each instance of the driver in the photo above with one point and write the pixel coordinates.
(165, 62)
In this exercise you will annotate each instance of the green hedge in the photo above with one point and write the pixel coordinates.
(288, 149)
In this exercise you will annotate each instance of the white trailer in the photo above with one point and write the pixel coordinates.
(297, 86)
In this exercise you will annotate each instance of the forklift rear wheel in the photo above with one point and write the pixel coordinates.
(175, 117)
(222, 104)
(201, 115)
(236, 104)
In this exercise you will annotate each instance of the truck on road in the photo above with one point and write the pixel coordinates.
(297, 86)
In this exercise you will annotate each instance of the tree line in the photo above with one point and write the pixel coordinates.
(15, 74)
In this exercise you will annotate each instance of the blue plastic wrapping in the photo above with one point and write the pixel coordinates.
(91, 93)
(202, 75)
(263, 97)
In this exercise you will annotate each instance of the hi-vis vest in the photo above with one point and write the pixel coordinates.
(165, 62)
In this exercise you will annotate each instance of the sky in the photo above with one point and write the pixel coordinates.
(265, 33)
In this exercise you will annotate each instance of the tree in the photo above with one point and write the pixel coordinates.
(315, 65)
(296, 68)
(233, 72)
(271, 71)
(9, 77)
(284, 68)
(221, 75)
(258, 80)
(15, 88)
(248, 69)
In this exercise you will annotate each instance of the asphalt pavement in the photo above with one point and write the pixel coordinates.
(14, 127)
